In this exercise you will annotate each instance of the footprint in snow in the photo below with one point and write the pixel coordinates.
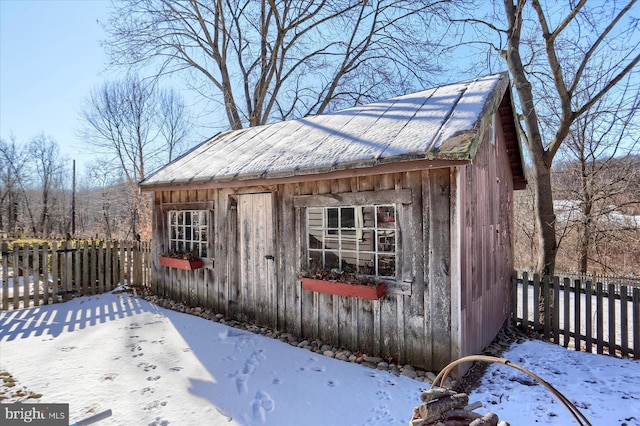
(146, 366)
(383, 395)
(261, 405)
(147, 390)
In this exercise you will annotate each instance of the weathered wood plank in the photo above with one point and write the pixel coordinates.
(547, 309)
(566, 315)
(577, 284)
(525, 300)
(611, 292)
(45, 272)
(599, 319)
(5, 276)
(439, 267)
(26, 272)
(536, 301)
(588, 289)
(624, 324)
(338, 199)
(101, 282)
(93, 266)
(635, 297)
(556, 310)
(55, 276)
(36, 274)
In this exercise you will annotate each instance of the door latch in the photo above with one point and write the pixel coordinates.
(270, 257)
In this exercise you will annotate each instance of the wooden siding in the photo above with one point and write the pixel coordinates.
(410, 324)
(485, 227)
(454, 258)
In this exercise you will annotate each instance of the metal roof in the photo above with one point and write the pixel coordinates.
(442, 123)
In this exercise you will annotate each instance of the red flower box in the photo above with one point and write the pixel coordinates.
(363, 291)
(186, 264)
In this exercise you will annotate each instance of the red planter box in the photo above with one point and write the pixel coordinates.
(173, 262)
(341, 289)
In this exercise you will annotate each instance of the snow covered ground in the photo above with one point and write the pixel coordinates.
(153, 366)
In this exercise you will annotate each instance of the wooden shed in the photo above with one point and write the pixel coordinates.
(415, 192)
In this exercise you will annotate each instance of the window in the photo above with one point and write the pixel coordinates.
(189, 231)
(355, 239)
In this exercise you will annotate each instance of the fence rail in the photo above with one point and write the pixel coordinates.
(601, 316)
(35, 274)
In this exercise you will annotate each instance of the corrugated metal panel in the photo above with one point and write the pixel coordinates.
(440, 123)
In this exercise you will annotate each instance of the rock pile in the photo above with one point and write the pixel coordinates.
(444, 407)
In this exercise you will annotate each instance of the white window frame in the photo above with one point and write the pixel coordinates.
(354, 236)
(189, 232)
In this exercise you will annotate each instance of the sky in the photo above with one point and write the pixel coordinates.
(153, 366)
(50, 60)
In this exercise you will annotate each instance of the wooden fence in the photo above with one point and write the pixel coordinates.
(35, 274)
(589, 313)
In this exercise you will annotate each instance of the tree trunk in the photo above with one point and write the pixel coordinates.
(545, 221)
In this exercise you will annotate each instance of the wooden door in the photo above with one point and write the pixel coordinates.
(257, 261)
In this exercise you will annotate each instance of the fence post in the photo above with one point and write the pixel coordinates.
(547, 308)
(5, 276)
(566, 318)
(26, 284)
(36, 273)
(16, 276)
(514, 298)
(612, 318)
(556, 309)
(525, 300)
(77, 267)
(577, 329)
(636, 322)
(94, 266)
(536, 302)
(108, 264)
(54, 272)
(100, 267)
(45, 272)
(588, 289)
(599, 319)
(624, 323)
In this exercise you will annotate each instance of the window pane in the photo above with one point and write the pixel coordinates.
(315, 238)
(366, 265)
(355, 239)
(332, 218)
(315, 260)
(386, 266)
(188, 231)
(347, 217)
(368, 217)
(332, 260)
(386, 241)
(386, 216)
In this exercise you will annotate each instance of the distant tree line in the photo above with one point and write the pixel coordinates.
(36, 195)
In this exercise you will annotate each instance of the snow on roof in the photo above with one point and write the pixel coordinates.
(442, 123)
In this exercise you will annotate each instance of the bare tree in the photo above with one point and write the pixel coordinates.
(137, 126)
(278, 59)
(12, 176)
(598, 173)
(44, 155)
(550, 49)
